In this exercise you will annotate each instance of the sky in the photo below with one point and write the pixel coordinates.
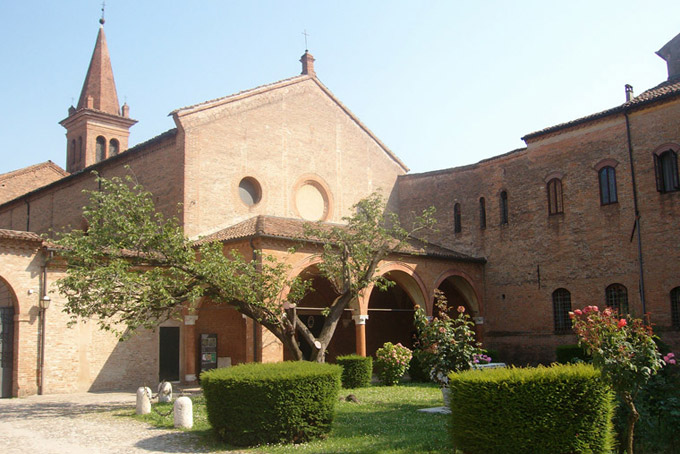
(441, 83)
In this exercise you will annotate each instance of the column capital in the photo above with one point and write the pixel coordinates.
(360, 319)
(190, 319)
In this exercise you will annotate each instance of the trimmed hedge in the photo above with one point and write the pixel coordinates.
(544, 410)
(257, 403)
(568, 353)
(356, 370)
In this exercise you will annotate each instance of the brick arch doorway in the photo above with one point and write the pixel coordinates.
(390, 312)
(7, 305)
(460, 292)
(310, 312)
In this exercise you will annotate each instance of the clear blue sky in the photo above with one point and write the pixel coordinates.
(442, 83)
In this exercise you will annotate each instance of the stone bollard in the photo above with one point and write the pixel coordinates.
(143, 400)
(183, 412)
(164, 392)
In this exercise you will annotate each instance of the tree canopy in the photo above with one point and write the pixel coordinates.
(134, 268)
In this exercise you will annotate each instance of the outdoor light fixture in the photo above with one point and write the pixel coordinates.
(45, 302)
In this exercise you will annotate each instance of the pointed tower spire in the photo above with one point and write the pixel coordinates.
(99, 88)
(96, 129)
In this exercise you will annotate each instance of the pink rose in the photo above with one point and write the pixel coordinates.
(461, 309)
(578, 312)
(622, 323)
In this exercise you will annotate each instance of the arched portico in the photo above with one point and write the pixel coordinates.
(390, 313)
(8, 311)
(459, 290)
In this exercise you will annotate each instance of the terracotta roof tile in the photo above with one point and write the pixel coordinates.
(19, 235)
(665, 90)
(293, 229)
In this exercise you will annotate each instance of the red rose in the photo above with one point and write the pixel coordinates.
(622, 323)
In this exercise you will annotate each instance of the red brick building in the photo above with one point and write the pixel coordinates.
(585, 214)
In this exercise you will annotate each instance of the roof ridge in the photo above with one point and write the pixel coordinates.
(23, 170)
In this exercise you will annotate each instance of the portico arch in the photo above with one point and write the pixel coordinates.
(390, 312)
(8, 310)
(459, 290)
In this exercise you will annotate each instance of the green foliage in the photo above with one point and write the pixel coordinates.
(493, 354)
(356, 370)
(445, 344)
(658, 403)
(560, 409)
(134, 268)
(392, 361)
(350, 255)
(571, 353)
(260, 403)
(417, 368)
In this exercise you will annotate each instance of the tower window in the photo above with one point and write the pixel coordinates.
(100, 149)
(457, 227)
(482, 213)
(617, 298)
(80, 150)
(113, 147)
(561, 308)
(666, 168)
(555, 205)
(72, 154)
(607, 177)
(250, 191)
(504, 207)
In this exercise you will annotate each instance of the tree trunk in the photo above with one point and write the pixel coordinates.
(632, 419)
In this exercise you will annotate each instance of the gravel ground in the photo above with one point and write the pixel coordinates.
(78, 423)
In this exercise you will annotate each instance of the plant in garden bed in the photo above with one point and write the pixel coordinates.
(446, 344)
(623, 349)
(392, 362)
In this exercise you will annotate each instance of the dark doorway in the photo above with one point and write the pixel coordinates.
(6, 349)
(168, 360)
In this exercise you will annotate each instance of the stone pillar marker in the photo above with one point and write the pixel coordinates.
(143, 400)
(183, 413)
(360, 329)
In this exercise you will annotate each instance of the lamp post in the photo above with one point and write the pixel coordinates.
(44, 304)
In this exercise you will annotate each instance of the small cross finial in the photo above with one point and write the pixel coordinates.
(101, 20)
(306, 35)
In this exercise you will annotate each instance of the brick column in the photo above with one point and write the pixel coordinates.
(360, 328)
(190, 348)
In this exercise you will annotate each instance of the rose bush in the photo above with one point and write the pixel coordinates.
(445, 344)
(623, 349)
(392, 362)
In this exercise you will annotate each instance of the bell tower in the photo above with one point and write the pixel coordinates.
(97, 128)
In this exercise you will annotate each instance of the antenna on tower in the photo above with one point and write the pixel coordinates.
(101, 21)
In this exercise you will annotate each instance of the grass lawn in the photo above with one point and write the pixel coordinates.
(385, 421)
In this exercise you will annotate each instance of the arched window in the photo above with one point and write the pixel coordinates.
(666, 168)
(675, 307)
(113, 147)
(80, 150)
(457, 227)
(482, 213)
(607, 177)
(100, 150)
(72, 154)
(616, 297)
(555, 196)
(561, 308)
(504, 207)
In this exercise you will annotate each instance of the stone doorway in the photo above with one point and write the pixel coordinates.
(168, 358)
(6, 340)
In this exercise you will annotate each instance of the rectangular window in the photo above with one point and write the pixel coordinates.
(607, 177)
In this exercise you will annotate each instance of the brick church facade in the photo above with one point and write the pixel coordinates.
(585, 214)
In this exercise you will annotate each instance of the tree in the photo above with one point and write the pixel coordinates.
(625, 352)
(134, 268)
(351, 254)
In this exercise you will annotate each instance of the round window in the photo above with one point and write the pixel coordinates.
(311, 202)
(249, 190)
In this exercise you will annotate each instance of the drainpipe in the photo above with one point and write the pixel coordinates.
(28, 215)
(637, 215)
(43, 296)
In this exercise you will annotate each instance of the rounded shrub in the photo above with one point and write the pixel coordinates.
(560, 409)
(571, 353)
(257, 403)
(356, 370)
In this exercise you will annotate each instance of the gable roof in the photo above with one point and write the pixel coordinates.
(666, 90)
(6, 234)
(274, 227)
(47, 165)
(182, 111)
